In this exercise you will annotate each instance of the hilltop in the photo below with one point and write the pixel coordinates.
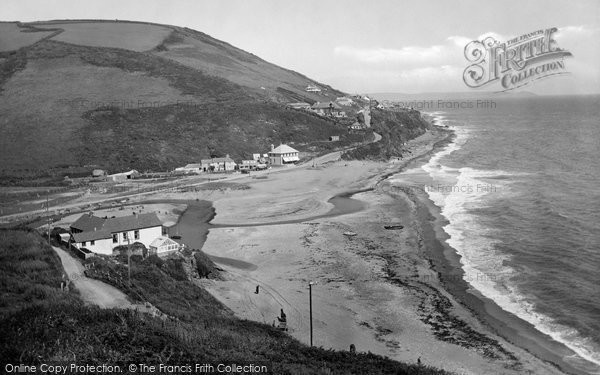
(121, 95)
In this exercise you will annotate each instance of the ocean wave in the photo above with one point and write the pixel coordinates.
(485, 268)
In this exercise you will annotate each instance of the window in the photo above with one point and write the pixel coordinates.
(136, 234)
(115, 238)
(92, 243)
(125, 236)
(83, 244)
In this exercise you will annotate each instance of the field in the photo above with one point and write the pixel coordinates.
(41, 107)
(199, 51)
(132, 36)
(13, 37)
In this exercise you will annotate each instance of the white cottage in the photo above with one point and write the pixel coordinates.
(102, 235)
(225, 164)
(283, 154)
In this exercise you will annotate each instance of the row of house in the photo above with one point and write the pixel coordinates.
(281, 155)
(331, 109)
(101, 235)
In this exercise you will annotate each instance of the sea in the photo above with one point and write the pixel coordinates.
(519, 192)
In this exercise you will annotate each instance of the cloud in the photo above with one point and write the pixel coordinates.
(440, 66)
(409, 54)
(459, 41)
(448, 52)
(578, 31)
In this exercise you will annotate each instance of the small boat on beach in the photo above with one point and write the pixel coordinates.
(349, 234)
(394, 227)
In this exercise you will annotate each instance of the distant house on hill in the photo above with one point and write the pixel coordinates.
(123, 176)
(300, 105)
(334, 138)
(345, 101)
(283, 154)
(101, 235)
(355, 126)
(225, 164)
(98, 173)
(312, 88)
(190, 168)
(328, 109)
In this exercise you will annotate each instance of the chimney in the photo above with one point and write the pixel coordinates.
(272, 147)
(227, 156)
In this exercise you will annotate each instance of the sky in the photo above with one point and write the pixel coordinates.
(364, 46)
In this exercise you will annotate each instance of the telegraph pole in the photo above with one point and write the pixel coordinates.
(48, 215)
(128, 260)
(310, 284)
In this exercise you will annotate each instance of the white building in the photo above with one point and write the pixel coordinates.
(328, 109)
(248, 165)
(190, 168)
(283, 154)
(123, 176)
(163, 246)
(99, 242)
(225, 164)
(102, 235)
(299, 105)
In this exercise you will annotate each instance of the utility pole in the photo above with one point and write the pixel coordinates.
(128, 260)
(48, 215)
(310, 284)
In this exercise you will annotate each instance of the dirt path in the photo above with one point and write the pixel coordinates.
(92, 291)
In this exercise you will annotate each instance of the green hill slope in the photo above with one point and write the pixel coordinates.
(54, 87)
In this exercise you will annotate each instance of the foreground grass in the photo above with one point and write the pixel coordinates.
(57, 327)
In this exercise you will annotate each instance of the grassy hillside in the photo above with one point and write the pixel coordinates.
(198, 50)
(54, 326)
(395, 127)
(132, 95)
(168, 136)
(30, 273)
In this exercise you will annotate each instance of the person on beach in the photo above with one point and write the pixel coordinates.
(282, 318)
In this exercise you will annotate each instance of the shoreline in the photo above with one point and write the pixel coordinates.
(446, 262)
(369, 291)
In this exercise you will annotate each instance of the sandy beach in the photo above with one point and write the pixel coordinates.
(375, 290)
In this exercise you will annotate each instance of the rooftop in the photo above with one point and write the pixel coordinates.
(217, 160)
(91, 236)
(88, 222)
(283, 149)
(131, 222)
(325, 105)
(160, 241)
(94, 224)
